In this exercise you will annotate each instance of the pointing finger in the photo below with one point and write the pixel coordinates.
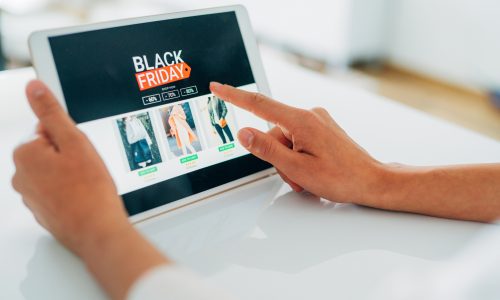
(258, 104)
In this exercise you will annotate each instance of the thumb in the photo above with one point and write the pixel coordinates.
(268, 148)
(56, 123)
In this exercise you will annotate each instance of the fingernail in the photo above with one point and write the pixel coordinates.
(215, 86)
(246, 137)
(37, 89)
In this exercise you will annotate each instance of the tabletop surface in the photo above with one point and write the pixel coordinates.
(263, 245)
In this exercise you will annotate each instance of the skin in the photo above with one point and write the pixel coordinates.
(344, 172)
(66, 185)
(64, 182)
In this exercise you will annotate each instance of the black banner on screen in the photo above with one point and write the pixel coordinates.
(118, 70)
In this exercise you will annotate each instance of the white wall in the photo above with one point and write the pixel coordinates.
(316, 27)
(335, 31)
(456, 40)
(368, 32)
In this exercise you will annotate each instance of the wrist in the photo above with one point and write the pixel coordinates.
(102, 240)
(118, 256)
(101, 230)
(397, 185)
(386, 185)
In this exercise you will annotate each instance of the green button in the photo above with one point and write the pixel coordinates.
(226, 147)
(148, 171)
(189, 158)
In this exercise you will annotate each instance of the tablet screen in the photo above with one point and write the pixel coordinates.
(141, 94)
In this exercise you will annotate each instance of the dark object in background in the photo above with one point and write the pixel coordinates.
(495, 98)
(2, 60)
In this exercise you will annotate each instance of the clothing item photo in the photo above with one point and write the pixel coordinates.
(180, 129)
(139, 142)
(217, 111)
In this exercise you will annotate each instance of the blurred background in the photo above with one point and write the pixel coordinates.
(439, 56)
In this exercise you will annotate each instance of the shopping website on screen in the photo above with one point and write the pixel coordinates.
(141, 94)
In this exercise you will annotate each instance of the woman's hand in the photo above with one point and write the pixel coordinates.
(62, 179)
(66, 185)
(312, 152)
(308, 148)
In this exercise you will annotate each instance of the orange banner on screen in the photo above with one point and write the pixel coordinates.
(161, 76)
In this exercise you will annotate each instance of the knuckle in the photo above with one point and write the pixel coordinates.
(319, 110)
(259, 99)
(20, 154)
(16, 156)
(14, 181)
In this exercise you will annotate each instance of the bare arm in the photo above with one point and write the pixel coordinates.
(467, 192)
(312, 152)
(64, 182)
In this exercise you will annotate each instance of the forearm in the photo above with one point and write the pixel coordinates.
(119, 258)
(467, 192)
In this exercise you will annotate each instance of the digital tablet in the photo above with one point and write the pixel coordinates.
(139, 89)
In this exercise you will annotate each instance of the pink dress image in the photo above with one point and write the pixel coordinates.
(183, 133)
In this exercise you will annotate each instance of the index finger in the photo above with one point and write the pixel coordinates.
(258, 104)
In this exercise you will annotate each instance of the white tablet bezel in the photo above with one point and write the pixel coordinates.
(46, 71)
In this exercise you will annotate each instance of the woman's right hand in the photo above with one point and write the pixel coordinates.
(308, 148)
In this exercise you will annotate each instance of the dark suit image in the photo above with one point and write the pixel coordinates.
(217, 110)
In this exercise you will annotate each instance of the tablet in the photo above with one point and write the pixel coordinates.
(139, 89)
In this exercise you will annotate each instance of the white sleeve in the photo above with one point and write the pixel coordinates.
(171, 282)
(472, 274)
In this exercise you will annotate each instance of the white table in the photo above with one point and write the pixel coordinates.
(287, 249)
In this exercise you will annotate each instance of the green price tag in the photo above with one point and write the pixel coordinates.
(226, 147)
(189, 158)
(148, 171)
